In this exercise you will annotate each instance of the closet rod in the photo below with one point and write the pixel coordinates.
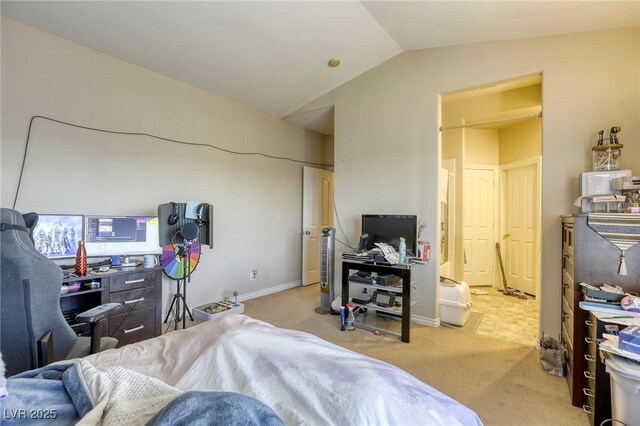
(500, 120)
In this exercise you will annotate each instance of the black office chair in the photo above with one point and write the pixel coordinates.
(33, 331)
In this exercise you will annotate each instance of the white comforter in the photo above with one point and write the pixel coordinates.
(303, 378)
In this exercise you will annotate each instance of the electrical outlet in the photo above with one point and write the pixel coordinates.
(252, 274)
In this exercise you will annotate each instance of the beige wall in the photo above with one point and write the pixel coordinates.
(521, 141)
(328, 150)
(481, 147)
(387, 120)
(257, 200)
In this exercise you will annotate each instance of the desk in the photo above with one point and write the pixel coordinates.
(138, 289)
(401, 270)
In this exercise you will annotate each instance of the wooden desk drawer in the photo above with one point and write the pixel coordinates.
(133, 326)
(135, 299)
(133, 280)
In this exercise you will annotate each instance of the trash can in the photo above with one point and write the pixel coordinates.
(625, 389)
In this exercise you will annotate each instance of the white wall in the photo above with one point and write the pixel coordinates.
(386, 125)
(257, 201)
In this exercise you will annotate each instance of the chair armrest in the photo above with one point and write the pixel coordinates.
(98, 313)
(45, 349)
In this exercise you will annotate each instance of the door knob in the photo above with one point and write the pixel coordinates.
(506, 235)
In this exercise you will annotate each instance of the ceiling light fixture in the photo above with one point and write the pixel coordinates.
(334, 62)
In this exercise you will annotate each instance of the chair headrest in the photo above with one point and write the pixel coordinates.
(13, 220)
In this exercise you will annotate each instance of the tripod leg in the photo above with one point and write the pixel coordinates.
(170, 311)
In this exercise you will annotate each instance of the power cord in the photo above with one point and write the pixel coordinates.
(116, 132)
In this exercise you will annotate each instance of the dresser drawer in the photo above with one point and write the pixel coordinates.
(133, 280)
(135, 299)
(567, 319)
(568, 267)
(566, 340)
(568, 289)
(133, 326)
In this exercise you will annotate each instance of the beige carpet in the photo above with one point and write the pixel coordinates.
(502, 381)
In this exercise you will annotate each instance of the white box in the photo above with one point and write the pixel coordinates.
(201, 312)
(625, 381)
(455, 303)
(596, 183)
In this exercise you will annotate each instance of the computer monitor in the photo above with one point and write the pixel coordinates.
(56, 236)
(386, 228)
(121, 235)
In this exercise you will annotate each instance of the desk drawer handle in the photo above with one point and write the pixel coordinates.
(589, 358)
(588, 375)
(588, 322)
(141, 280)
(128, 302)
(587, 409)
(131, 330)
(587, 392)
(589, 340)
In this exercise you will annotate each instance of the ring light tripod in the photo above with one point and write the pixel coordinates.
(179, 261)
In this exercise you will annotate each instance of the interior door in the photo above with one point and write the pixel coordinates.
(478, 222)
(317, 214)
(520, 239)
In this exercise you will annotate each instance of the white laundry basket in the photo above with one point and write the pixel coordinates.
(625, 389)
(455, 302)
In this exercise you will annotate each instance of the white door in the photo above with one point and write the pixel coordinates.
(478, 222)
(521, 228)
(317, 214)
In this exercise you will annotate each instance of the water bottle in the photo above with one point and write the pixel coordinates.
(402, 249)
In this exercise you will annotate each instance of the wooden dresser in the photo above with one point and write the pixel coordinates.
(587, 257)
(138, 289)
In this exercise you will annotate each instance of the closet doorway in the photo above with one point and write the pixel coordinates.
(495, 134)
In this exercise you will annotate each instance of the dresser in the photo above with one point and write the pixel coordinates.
(587, 257)
(138, 289)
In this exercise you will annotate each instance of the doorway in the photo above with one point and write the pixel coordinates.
(494, 133)
(317, 214)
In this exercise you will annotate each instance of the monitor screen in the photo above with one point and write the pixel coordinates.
(56, 235)
(384, 228)
(121, 235)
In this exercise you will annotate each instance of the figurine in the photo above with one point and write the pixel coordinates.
(600, 137)
(613, 135)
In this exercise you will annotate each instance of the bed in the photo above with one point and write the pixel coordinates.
(302, 378)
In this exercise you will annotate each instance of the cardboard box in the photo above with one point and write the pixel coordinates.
(208, 312)
(629, 339)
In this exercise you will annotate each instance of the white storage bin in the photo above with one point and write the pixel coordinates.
(625, 389)
(226, 307)
(455, 302)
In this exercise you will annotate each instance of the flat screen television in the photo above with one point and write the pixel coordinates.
(121, 235)
(56, 236)
(388, 228)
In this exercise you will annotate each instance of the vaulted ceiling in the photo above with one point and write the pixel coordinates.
(273, 55)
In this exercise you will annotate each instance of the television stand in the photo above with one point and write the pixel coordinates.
(401, 270)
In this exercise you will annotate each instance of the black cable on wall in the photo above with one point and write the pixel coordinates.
(115, 132)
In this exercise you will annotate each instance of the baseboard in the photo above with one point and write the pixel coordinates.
(270, 290)
(428, 322)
